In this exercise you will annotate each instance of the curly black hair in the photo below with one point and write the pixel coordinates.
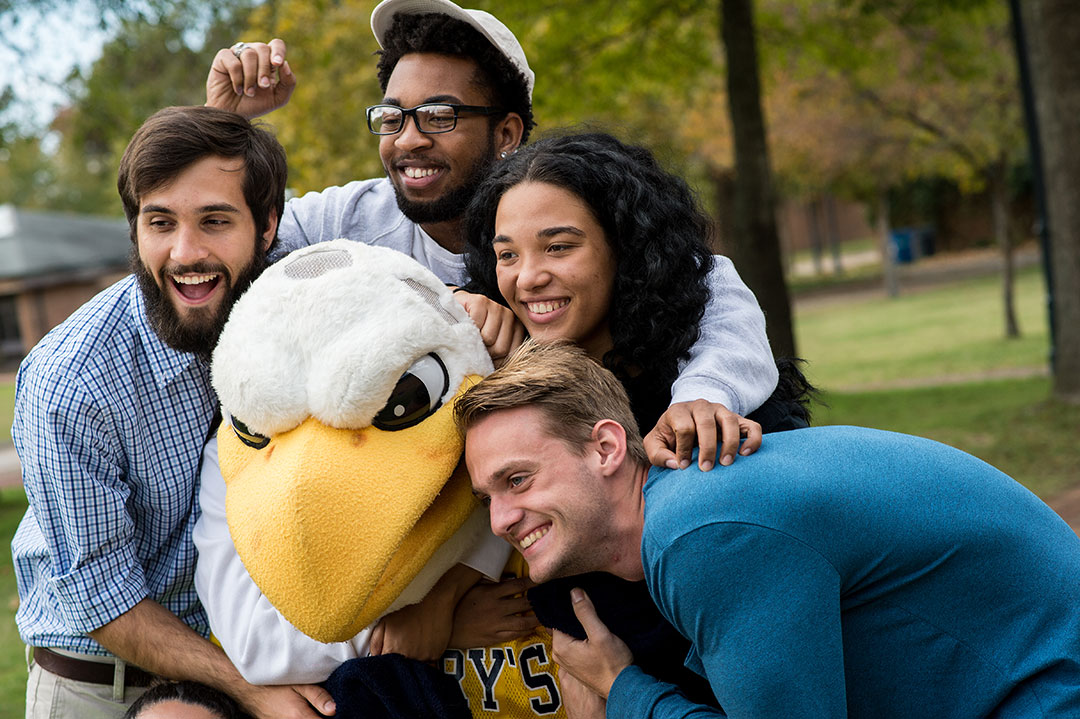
(653, 225)
(187, 692)
(442, 34)
(659, 237)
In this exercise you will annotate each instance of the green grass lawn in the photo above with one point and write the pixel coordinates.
(955, 330)
(12, 661)
(7, 408)
(920, 364)
(1009, 423)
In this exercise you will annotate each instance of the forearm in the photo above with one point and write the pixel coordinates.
(150, 636)
(731, 362)
(452, 586)
(636, 693)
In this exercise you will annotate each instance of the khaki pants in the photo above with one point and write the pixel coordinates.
(49, 696)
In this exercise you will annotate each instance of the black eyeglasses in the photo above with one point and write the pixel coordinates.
(431, 118)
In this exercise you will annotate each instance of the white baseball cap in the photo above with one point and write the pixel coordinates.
(485, 23)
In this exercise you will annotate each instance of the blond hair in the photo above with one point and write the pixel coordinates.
(571, 389)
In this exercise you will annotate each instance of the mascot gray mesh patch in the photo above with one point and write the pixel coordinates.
(317, 263)
(431, 297)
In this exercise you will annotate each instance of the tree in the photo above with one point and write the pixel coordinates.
(936, 81)
(149, 64)
(1052, 30)
(757, 242)
(332, 51)
(24, 169)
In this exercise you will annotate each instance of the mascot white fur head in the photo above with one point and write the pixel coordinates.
(337, 372)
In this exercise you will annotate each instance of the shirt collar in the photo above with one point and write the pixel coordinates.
(165, 362)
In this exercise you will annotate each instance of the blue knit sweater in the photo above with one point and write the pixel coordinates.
(843, 571)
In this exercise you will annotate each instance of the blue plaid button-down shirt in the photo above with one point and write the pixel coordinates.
(109, 427)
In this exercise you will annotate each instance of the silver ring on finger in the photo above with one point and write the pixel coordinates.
(238, 48)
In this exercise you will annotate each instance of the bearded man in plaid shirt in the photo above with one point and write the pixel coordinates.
(112, 409)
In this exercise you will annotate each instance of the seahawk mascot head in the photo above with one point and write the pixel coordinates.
(337, 373)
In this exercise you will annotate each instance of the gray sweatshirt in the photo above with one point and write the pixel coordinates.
(731, 363)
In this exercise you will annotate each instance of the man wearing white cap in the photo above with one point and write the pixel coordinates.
(112, 409)
(466, 60)
(464, 79)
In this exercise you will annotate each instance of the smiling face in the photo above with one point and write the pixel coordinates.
(554, 265)
(197, 251)
(435, 176)
(544, 499)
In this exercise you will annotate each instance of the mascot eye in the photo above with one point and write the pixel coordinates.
(255, 441)
(417, 395)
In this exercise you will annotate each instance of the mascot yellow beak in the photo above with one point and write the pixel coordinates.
(338, 370)
(332, 524)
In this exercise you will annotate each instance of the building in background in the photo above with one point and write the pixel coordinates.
(50, 264)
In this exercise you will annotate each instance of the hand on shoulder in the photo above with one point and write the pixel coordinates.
(699, 423)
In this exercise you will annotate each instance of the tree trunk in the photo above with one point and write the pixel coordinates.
(999, 200)
(756, 250)
(813, 225)
(888, 249)
(1052, 29)
(723, 235)
(832, 231)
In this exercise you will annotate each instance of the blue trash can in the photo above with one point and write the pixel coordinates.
(901, 241)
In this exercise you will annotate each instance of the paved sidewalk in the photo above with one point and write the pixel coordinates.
(10, 471)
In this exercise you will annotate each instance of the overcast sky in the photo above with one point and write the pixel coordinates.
(52, 45)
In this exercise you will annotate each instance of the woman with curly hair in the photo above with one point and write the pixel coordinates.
(586, 238)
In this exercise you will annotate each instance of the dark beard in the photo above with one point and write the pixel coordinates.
(199, 335)
(452, 204)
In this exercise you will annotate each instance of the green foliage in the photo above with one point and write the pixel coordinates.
(154, 60)
(25, 172)
(23, 26)
(105, 8)
(633, 64)
(332, 51)
(147, 66)
(900, 89)
(12, 661)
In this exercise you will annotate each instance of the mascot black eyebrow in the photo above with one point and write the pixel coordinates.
(336, 373)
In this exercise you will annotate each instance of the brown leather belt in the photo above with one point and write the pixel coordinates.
(82, 670)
